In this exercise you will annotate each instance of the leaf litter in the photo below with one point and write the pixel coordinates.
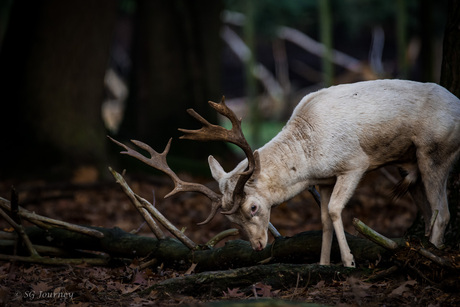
(82, 285)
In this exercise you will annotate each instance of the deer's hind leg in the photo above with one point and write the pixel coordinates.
(434, 172)
(417, 191)
(412, 182)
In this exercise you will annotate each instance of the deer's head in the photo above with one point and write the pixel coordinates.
(246, 204)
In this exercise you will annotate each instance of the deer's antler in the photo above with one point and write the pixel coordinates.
(159, 162)
(210, 132)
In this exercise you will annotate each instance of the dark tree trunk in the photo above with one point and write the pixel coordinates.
(427, 40)
(52, 68)
(450, 69)
(450, 79)
(176, 66)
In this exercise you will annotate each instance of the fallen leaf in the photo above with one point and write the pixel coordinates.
(359, 288)
(320, 284)
(191, 269)
(232, 293)
(130, 289)
(139, 278)
(263, 290)
(404, 287)
(41, 287)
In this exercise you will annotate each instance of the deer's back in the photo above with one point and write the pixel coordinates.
(385, 119)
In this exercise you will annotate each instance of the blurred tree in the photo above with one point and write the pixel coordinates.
(251, 84)
(176, 65)
(427, 40)
(401, 35)
(325, 14)
(450, 70)
(5, 7)
(450, 79)
(270, 14)
(52, 67)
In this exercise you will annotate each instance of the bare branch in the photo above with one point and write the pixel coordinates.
(315, 194)
(56, 261)
(147, 210)
(46, 222)
(145, 214)
(439, 260)
(273, 230)
(166, 223)
(373, 235)
(20, 230)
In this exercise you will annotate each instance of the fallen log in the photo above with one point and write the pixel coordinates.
(304, 247)
(278, 276)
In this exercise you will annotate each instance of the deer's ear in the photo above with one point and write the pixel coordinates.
(216, 170)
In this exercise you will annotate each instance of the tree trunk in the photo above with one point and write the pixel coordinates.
(450, 69)
(450, 79)
(401, 35)
(427, 40)
(326, 38)
(52, 68)
(176, 65)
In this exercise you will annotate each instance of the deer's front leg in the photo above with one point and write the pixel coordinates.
(343, 190)
(328, 230)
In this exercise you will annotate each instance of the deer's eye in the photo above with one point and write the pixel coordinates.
(254, 209)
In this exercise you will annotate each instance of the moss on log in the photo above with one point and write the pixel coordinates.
(304, 247)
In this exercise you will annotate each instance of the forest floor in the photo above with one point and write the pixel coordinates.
(104, 204)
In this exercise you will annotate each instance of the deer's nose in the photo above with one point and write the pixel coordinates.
(259, 246)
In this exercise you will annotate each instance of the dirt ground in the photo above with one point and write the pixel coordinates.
(104, 204)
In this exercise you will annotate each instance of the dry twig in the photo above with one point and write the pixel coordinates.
(145, 207)
(137, 204)
(46, 222)
(373, 235)
(20, 230)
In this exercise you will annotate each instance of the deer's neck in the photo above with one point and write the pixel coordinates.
(286, 164)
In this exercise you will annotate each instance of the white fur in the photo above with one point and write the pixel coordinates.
(338, 134)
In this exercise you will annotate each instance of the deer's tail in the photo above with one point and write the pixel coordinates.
(409, 175)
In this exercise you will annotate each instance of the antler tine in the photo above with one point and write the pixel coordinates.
(215, 206)
(238, 192)
(158, 161)
(210, 132)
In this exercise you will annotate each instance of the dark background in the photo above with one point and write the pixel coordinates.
(145, 62)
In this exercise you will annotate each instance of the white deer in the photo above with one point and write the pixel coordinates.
(332, 139)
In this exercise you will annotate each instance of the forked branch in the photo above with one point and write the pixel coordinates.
(147, 210)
